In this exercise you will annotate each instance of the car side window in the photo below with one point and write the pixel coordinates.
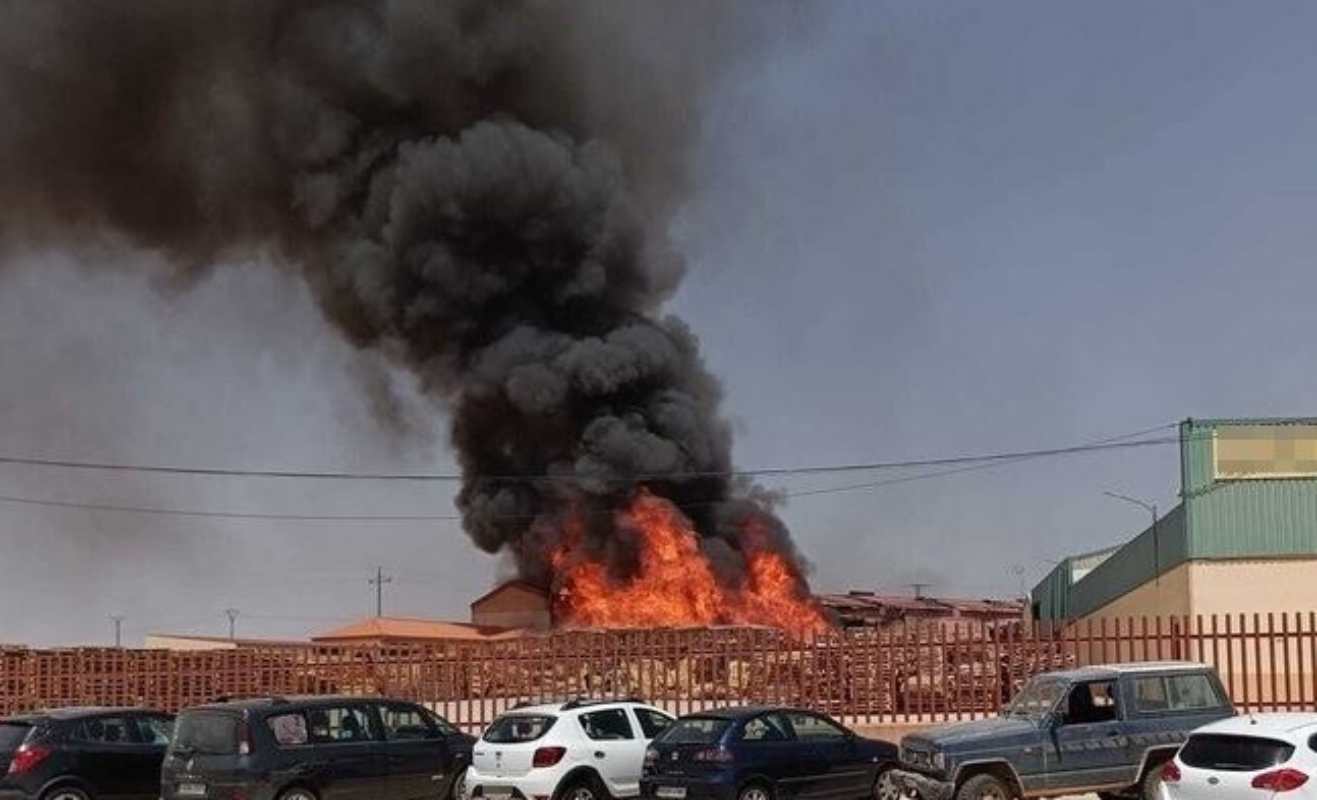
(289, 730)
(809, 727)
(154, 729)
(340, 725)
(1150, 695)
(652, 723)
(106, 730)
(1191, 693)
(444, 727)
(766, 728)
(1090, 703)
(405, 722)
(610, 724)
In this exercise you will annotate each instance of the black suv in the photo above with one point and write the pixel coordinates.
(314, 748)
(83, 753)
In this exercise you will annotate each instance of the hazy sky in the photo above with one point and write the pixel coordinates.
(919, 230)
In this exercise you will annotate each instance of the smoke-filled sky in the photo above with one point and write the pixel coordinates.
(907, 233)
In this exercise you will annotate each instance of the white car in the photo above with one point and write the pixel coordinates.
(1246, 758)
(580, 750)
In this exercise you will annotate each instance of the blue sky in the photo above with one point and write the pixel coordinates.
(918, 229)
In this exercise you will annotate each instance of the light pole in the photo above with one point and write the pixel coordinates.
(118, 619)
(1156, 548)
(232, 614)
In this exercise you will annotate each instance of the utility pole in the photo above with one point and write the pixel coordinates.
(1156, 546)
(232, 614)
(118, 619)
(378, 582)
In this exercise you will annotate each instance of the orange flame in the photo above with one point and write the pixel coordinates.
(674, 582)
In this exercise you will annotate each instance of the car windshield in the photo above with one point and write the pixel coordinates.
(1038, 697)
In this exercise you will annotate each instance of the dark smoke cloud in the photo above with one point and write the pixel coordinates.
(479, 189)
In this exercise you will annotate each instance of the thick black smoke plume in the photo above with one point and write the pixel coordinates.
(480, 189)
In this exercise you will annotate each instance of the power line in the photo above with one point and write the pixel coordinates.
(818, 469)
(969, 464)
(182, 512)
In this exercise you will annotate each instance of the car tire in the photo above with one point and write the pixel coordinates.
(1150, 788)
(298, 793)
(885, 786)
(457, 791)
(984, 787)
(755, 791)
(66, 793)
(585, 788)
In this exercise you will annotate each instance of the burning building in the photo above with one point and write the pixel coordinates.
(479, 190)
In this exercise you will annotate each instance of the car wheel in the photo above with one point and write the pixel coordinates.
(298, 794)
(66, 793)
(984, 787)
(886, 788)
(584, 789)
(755, 791)
(458, 790)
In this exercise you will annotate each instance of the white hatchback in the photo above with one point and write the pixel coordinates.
(580, 750)
(1246, 758)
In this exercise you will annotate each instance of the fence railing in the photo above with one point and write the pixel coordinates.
(899, 674)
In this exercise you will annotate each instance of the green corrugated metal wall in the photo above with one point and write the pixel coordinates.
(1243, 518)
(1255, 518)
(1051, 597)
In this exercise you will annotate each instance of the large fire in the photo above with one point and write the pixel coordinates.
(674, 583)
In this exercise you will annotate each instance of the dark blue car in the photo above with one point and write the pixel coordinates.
(764, 754)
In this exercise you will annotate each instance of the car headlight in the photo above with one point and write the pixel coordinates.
(939, 761)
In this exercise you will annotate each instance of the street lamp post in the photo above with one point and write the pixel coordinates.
(1156, 546)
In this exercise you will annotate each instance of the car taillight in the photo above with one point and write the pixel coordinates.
(244, 738)
(1171, 773)
(1281, 780)
(547, 756)
(27, 758)
(714, 755)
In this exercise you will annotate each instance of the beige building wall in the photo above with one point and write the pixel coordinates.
(1274, 598)
(155, 641)
(1171, 596)
(1254, 586)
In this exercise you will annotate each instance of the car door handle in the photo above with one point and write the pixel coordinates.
(599, 754)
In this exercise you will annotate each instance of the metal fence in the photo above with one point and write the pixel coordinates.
(905, 674)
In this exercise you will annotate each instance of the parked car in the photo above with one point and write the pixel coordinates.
(1099, 729)
(579, 750)
(763, 753)
(83, 754)
(313, 748)
(1244, 757)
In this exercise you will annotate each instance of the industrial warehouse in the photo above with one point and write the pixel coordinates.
(1242, 542)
